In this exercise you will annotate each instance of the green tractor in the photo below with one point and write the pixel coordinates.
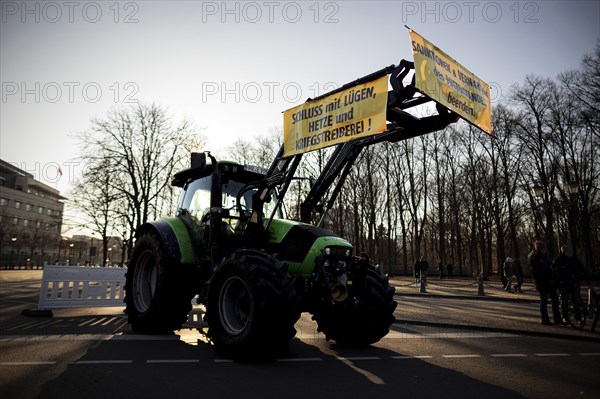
(255, 271)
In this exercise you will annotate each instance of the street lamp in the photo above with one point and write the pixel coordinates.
(109, 256)
(537, 190)
(13, 262)
(573, 187)
(574, 212)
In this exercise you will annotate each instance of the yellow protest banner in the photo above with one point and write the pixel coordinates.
(356, 112)
(441, 78)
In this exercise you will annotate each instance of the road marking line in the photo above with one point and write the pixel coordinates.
(138, 337)
(24, 325)
(90, 337)
(25, 363)
(508, 355)
(552, 354)
(448, 335)
(459, 356)
(289, 360)
(173, 361)
(103, 362)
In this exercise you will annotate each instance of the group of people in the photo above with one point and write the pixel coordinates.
(421, 266)
(449, 270)
(563, 273)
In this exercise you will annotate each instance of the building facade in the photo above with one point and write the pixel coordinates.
(31, 215)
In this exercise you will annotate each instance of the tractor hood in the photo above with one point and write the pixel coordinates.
(299, 244)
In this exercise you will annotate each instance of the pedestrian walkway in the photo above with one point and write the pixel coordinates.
(463, 287)
(458, 303)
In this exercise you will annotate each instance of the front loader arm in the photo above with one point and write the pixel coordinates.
(401, 126)
(344, 156)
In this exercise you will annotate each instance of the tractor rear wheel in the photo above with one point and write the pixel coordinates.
(158, 290)
(252, 306)
(362, 319)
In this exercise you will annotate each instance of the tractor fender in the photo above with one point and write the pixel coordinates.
(174, 237)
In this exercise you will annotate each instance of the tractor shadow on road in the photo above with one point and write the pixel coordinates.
(312, 368)
(185, 364)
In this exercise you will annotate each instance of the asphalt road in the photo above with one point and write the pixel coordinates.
(473, 348)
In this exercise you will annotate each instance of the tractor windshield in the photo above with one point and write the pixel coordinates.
(196, 198)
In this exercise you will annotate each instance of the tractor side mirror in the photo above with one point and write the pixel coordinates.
(198, 160)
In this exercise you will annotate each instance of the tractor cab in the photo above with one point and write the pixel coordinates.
(219, 194)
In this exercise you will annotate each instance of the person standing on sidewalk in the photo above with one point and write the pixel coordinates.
(502, 274)
(570, 271)
(449, 269)
(508, 274)
(424, 268)
(417, 271)
(543, 277)
(518, 272)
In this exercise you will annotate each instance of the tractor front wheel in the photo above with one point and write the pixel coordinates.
(252, 305)
(364, 317)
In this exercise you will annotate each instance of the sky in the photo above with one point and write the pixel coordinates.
(233, 67)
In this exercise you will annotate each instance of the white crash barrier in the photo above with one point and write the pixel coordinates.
(81, 286)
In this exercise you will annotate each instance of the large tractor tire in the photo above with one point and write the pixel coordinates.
(252, 306)
(362, 319)
(158, 289)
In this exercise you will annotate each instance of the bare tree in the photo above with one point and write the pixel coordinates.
(259, 151)
(439, 193)
(454, 197)
(579, 128)
(510, 155)
(132, 155)
(412, 188)
(533, 99)
(584, 85)
(94, 196)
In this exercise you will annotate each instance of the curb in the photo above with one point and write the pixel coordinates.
(469, 297)
(501, 330)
